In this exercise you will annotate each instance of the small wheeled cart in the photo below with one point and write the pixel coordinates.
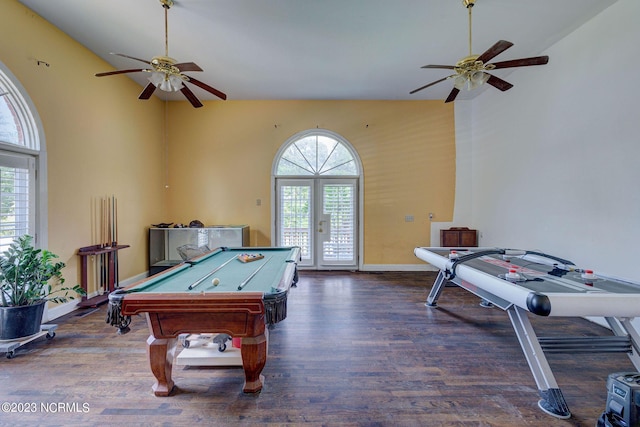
(10, 346)
(220, 339)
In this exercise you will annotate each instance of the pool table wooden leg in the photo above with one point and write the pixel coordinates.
(161, 352)
(254, 357)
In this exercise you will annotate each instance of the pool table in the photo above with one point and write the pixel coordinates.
(215, 292)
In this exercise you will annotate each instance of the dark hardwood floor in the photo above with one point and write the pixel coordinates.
(357, 349)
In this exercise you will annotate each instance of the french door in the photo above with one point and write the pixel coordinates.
(320, 216)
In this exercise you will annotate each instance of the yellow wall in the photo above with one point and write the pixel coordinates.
(101, 140)
(221, 158)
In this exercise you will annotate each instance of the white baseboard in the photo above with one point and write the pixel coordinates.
(68, 307)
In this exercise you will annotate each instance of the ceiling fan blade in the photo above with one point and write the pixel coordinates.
(447, 67)
(187, 66)
(206, 87)
(522, 62)
(426, 86)
(130, 57)
(148, 91)
(111, 73)
(452, 95)
(499, 83)
(193, 99)
(494, 51)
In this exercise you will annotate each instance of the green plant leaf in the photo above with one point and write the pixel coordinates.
(26, 275)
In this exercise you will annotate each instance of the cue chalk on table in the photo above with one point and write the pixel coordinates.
(248, 279)
(202, 279)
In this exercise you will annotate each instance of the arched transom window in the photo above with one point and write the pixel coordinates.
(317, 153)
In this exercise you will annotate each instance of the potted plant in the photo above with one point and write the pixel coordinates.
(26, 277)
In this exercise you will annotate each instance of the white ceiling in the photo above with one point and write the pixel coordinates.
(315, 49)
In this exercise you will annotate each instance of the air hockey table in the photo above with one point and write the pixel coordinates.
(530, 282)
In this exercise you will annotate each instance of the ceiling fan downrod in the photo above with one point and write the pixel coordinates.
(166, 4)
(469, 5)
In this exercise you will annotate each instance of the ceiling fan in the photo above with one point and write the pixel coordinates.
(166, 74)
(471, 71)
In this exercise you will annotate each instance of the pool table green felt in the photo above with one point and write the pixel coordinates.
(231, 275)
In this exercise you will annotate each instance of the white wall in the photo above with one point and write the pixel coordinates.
(556, 159)
(462, 207)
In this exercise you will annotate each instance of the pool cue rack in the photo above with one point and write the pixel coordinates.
(108, 272)
(104, 256)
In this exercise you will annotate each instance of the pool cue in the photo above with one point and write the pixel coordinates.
(94, 288)
(248, 279)
(115, 220)
(200, 280)
(103, 222)
(116, 278)
(109, 225)
(95, 236)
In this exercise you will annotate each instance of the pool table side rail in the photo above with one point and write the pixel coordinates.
(148, 282)
(294, 252)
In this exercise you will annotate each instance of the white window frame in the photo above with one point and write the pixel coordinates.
(34, 148)
(359, 176)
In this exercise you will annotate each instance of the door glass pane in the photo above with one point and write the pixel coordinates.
(295, 218)
(338, 203)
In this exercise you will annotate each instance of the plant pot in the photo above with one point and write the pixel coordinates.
(22, 321)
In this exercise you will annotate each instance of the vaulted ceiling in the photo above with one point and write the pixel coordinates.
(315, 49)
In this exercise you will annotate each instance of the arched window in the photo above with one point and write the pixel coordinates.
(21, 155)
(317, 200)
(317, 153)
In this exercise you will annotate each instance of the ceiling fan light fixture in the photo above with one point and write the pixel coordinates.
(165, 82)
(470, 80)
(477, 79)
(459, 81)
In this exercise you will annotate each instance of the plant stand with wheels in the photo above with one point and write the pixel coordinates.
(10, 346)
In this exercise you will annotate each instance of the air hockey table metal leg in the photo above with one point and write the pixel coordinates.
(624, 327)
(436, 290)
(552, 401)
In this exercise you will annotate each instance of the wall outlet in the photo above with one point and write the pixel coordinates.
(408, 218)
